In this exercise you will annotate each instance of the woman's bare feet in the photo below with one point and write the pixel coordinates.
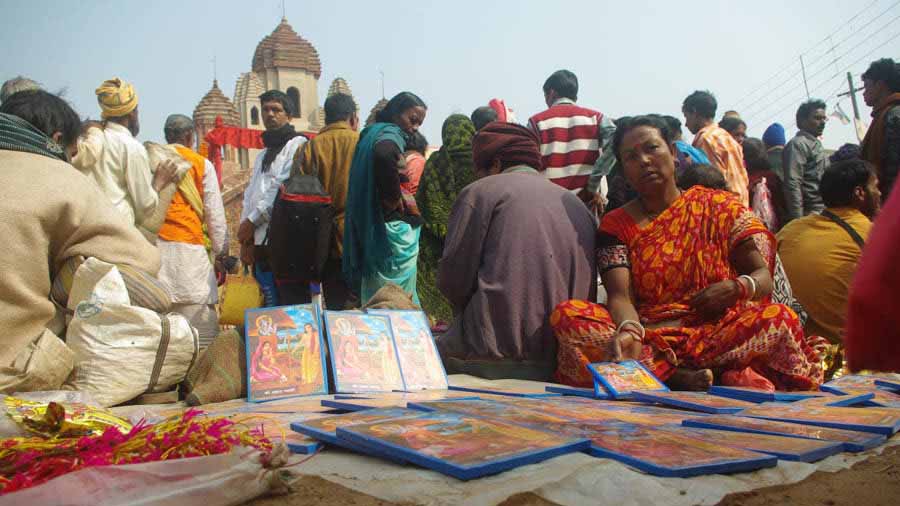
(690, 379)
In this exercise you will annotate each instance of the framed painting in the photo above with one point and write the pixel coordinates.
(875, 420)
(853, 441)
(363, 355)
(695, 401)
(758, 395)
(661, 452)
(392, 401)
(285, 353)
(839, 401)
(493, 410)
(420, 363)
(785, 448)
(592, 393)
(620, 379)
(459, 445)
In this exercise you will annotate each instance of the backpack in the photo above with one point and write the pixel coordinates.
(301, 226)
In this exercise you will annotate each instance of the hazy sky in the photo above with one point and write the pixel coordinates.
(631, 57)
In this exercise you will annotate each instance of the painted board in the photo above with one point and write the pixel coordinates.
(459, 445)
(857, 381)
(587, 410)
(420, 363)
(325, 429)
(758, 395)
(493, 410)
(285, 353)
(839, 401)
(393, 401)
(785, 448)
(620, 379)
(891, 385)
(695, 401)
(507, 391)
(287, 406)
(592, 393)
(363, 355)
(663, 453)
(853, 441)
(875, 420)
(880, 398)
(277, 427)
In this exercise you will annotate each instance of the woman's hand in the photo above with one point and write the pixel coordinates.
(712, 301)
(626, 346)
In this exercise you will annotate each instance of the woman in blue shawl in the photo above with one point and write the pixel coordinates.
(381, 232)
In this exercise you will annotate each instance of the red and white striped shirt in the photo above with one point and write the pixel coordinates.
(569, 143)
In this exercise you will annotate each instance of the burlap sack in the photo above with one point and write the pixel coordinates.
(221, 373)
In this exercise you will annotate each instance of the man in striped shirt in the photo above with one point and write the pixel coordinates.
(569, 137)
(724, 152)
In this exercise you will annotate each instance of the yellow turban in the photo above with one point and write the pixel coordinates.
(116, 98)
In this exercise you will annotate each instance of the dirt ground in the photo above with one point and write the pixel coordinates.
(872, 482)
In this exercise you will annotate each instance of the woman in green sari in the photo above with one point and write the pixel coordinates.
(447, 172)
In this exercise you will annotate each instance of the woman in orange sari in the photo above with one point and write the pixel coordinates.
(688, 277)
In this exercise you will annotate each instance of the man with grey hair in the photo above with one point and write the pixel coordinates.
(193, 228)
(15, 85)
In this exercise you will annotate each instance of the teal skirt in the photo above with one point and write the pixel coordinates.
(401, 269)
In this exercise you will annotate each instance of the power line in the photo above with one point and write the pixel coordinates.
(834, 94)
(750, 107)
(762, 110)
(793, 62)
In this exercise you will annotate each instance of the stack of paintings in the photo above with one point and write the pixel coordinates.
(785, 448)
(285, 353)
(420, 363)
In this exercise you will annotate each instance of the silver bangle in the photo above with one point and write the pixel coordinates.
(636, 325)
(752, 285)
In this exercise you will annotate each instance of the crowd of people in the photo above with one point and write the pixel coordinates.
(727, 259)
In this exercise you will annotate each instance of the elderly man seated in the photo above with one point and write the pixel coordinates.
(516, 246)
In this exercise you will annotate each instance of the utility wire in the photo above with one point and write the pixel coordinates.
(810, 65)
(794, 61)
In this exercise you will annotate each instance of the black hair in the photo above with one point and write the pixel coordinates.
(841, 178)
(417, 142)
(848, 151)
(730, 124)
(339, 107)
(398, 105)
(46, 112)
(280, 97)
(674, 125)
(482, 116)
(564, 83)
(626, 124)
(885, 70)
(701, 102)
(808, 107)
(701, 174)
(756, 158)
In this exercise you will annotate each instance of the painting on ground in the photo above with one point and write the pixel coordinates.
(459, 445)
(285, 353)
(363, 355)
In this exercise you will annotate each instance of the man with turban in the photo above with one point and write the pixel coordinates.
(109, 154)
(516, 246)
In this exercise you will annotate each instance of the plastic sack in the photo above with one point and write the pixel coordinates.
(122, 351)
(240, 293)
(157, 153)
(216, 480)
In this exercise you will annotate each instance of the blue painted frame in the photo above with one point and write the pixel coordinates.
(615, 394)
(332, 348)
(387, 312)
(655, 397)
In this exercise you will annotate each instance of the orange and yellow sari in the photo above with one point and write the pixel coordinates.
(684, 250)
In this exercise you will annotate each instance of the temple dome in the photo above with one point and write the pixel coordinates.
(339, 85)
(285, 49)
(248, 86)
(214, 104)
(317, 119)
(375, 110)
